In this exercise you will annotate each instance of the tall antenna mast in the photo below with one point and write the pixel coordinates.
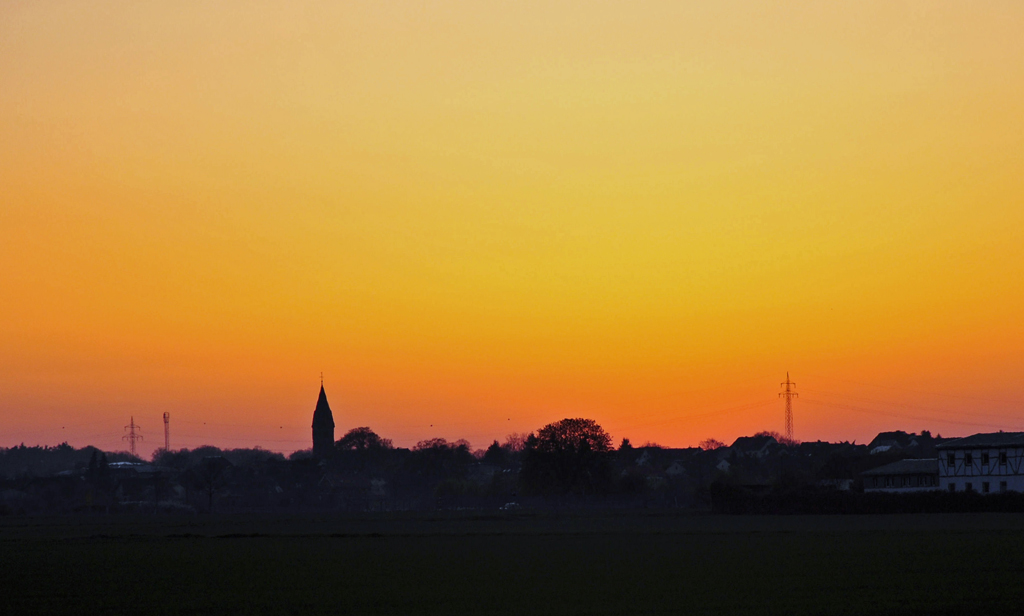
(789, 394)
(132, 437)
(167, 431)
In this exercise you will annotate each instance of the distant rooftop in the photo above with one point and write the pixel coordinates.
(919, 466)
(752, 442)
(987, 440)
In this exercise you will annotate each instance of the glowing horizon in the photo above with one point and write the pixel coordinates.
(476, 219)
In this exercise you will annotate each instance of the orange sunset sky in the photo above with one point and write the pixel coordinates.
(479, 217)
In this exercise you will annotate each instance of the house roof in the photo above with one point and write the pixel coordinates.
(752, 443)
(987, 440)
(898, 438)
(907, 467)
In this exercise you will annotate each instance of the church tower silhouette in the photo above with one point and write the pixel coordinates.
(323, 426)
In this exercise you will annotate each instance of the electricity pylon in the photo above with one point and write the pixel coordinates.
(132, 437)
(789, 394)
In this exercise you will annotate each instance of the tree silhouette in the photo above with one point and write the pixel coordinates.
(571, 455)
(209, 475)
(104, 466)
(782, 440)
(496, 455)
(94, 465)
(515, 442)
(362, 439)
(436, 457)
(709, 444)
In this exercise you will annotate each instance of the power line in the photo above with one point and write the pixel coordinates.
(858, 409)
(241, 438)
(917, 391)
(57, 428)
(725, 411)
(905, 405)
(228, 425)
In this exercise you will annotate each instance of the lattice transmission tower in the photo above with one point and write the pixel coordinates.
(132, 436)
(789, 394)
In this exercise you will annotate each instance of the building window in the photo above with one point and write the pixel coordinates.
(968, 459)
(952, 487)
(888, 481)
(984, 487)
(1002, 486)
(968, 487)
(875, 480)
(984, 458)
(1002, 458)
(951, 459)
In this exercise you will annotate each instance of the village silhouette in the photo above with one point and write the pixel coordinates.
(568, 464)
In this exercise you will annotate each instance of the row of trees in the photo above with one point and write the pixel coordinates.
(42, 461)
(571, 455)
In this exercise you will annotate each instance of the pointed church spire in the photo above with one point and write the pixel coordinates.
(323, 425)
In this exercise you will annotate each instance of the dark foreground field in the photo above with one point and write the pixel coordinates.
(517, 564)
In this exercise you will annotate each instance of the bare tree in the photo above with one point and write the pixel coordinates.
(709, 444)
(515, 442)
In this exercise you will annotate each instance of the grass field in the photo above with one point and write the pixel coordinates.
(517, 564)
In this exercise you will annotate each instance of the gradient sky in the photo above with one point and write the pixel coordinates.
(479, 217)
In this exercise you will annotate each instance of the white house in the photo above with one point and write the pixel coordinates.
(983, 463)
(903, 476)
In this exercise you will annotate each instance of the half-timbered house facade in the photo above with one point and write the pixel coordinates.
(985, 463)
